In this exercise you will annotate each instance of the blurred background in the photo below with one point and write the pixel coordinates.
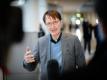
(75, 13)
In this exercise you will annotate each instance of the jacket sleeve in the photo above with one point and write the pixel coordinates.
(29, 66)
(79, 54)
(32, 66)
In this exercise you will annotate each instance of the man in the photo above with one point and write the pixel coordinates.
(64, 48)
(87, 34)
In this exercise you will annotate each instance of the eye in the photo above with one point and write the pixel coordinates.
(55, 22)
(49, 23)
(52, 23)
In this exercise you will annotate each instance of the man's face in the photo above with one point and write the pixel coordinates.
(53, 25)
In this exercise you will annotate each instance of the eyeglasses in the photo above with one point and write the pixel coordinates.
(52, 23)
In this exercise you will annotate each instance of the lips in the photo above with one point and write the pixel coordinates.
(53, 30)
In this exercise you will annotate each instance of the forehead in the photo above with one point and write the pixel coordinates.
(50, 18)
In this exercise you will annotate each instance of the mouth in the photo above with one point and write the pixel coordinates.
(53, 30)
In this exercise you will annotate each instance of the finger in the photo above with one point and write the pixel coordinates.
(36, 59)
(33, 59)
(28, 49)
(30, 60)
(28, 57)
(28, 53)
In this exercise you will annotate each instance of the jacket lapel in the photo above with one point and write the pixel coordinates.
(65, 50)
(48, 48)
(63, 45)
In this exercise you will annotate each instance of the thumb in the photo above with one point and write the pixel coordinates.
(27, 49)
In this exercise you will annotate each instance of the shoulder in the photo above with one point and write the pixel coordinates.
(71, 39)
(69, 36)
(44, 38)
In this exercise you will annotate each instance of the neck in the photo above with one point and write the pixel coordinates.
(55, 37)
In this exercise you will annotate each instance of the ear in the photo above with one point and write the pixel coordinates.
(62, 25)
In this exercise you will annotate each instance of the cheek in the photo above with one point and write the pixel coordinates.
(49, 29)
(59, 27)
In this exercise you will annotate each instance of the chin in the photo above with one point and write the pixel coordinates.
(54, 33)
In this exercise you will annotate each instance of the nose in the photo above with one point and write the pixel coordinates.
(52, 25)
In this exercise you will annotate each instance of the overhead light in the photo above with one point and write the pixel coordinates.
(78, 22)
(96, 21)
(78, 15)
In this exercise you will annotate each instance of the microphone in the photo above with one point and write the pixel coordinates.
(53, 70)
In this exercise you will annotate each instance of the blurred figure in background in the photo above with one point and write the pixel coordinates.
(99, 35)
(87, 34)
(10, 30)
(41, 33)
(70, 27)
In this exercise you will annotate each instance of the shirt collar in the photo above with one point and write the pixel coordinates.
(52, 40)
